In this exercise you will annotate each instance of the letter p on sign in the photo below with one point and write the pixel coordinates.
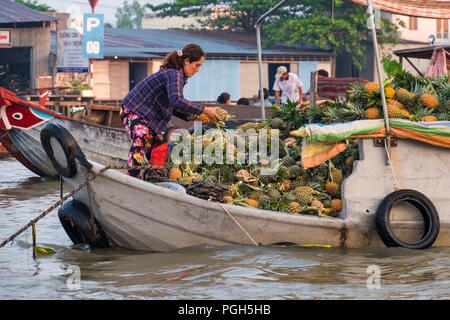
(92, 23)
(93, 36)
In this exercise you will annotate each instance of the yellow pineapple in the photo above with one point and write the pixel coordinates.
(429, 118)
(252, 203)
(406, 113)
(394, 111)
(331, 187)
(372, 113)
(390, 92)
(336, 204)
(371, 87)
(429, 100)
(396, 103)
(404, 96)
(175, 173)
(337, 175)
(294, 207)
(228, 199)
(204, 118)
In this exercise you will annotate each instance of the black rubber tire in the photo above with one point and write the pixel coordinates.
(68, 144)
(75, 219)
(423, 204)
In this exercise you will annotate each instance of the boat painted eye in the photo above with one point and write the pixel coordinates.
(17, 116)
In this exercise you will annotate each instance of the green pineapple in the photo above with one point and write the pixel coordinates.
(255, 195)
(295, 171)
(264, 202)
(276, 123)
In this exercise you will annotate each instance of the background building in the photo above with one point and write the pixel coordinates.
(25, 45)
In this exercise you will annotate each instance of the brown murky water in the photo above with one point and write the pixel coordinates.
(204, 272)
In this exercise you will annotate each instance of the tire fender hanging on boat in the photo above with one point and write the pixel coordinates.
(422, 203)
(62, 149)
(76, 221)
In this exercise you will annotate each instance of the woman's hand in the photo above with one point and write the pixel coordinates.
(211, 113)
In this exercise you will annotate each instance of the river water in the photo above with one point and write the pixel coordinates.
(204, 272)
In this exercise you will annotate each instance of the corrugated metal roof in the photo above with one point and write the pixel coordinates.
(422, 52)
(157, 41)
(12, 12)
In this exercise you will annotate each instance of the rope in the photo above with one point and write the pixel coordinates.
(67, 196)
(396, 186)
(239, 225)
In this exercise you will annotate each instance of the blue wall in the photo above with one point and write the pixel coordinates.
(214, 77)
(304, 73)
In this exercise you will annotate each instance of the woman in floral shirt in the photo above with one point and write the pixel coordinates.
(148, 107)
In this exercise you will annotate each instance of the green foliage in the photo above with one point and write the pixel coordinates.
(130, 15)
(33, 4)
(344, 33)
(234, 15)
(391, 67)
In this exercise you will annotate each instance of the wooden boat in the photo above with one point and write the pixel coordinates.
(140, 215)
(21, 123)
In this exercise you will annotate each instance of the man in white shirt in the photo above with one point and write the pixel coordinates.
(289, 84)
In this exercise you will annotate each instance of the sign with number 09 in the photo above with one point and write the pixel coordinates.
(93, 36)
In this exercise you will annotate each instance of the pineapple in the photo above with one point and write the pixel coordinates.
(406, 114)
(276, 123)
(300, 181)
(429, 100)
(285, 185)
(390, 92)
(405, 97)
(394, 111)
(337, 176)
(228, 199)
(395, 102)
(255, 195)
(288, 161)
(204, 119)
(175, 173)
(295, 171)
(223, 114)
(305, 189)
(274, 195)
(302, 197)
(429, 118)
(372, 113)
(294, 207)
(371, 87)
(336, 204)
(332, 187)
(252, 203)
(355, 92)
(264, 202)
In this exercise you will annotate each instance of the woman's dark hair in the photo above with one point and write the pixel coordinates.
(243, 101)
(223, 98)
(174, 59)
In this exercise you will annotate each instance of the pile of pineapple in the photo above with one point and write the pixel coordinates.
(407, 97)
(316, 191)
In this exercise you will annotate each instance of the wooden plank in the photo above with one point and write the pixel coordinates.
(104, 107)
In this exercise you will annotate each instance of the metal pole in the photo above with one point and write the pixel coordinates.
(378, 65)
(258, 42)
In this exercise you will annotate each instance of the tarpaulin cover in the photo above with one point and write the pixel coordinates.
(322, 142)
(438, 9)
